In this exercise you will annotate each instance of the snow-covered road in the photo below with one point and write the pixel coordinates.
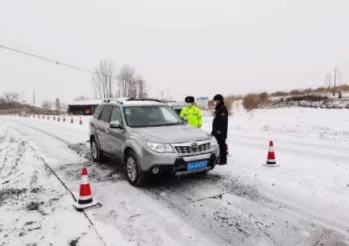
(305, 201)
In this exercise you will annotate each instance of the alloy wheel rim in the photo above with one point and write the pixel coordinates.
(94, 150)
(131, 169)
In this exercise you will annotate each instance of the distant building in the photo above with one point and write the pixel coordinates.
(87, 107)
(202, 101)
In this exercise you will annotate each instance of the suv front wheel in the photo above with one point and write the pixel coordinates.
(134, 175)
(95, 152)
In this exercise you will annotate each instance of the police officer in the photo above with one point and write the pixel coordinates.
(220, 127)
(191, 113)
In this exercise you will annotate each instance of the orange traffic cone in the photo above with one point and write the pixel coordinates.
(71, 120)
(63, 118)
(59, 119)
(85, 196)
(54, 117)
(80, 121)
(271, 162)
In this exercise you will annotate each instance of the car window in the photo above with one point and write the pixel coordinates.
(150, 116)
(168, 115)
(98, 111)
(105, 116)
(116, 115)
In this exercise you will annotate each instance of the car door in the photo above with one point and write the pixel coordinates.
(103, 128)
(116, 136)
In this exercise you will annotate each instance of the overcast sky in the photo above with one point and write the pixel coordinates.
(184, 47)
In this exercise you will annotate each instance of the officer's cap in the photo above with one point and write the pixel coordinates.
(189, 99)
(218, 97)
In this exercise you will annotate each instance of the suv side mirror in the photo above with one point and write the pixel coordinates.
(115, 124)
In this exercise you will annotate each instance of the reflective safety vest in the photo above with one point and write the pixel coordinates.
(193, 116)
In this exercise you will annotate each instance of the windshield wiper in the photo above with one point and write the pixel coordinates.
(156, 125)
(171, 124)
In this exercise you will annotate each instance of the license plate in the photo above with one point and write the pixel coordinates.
(196, 165)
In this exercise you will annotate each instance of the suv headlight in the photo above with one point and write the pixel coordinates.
(160, 147)
(214, 142)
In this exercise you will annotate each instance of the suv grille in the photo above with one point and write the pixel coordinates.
(186, 148)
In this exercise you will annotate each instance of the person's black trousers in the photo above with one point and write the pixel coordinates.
(222, 149)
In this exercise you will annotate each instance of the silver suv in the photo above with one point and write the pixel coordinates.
(150, 139)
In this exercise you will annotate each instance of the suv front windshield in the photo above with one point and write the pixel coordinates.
(150, 116)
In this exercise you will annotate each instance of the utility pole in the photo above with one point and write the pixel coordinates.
(329, 80)
(335, 77)
(34, 98)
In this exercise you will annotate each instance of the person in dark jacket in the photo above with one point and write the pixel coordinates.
(220, 127)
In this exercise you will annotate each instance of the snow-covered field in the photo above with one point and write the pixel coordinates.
(304, 201)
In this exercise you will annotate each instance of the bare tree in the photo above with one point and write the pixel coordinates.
(46, 104)
(126, 81)
(133, 88)
(102, 79)
(142, 90)
(11, 97)
(81, 98)
(130, 85)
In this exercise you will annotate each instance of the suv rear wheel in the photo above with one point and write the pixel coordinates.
(134, 175)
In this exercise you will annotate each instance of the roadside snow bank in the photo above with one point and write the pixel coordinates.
(35, 208)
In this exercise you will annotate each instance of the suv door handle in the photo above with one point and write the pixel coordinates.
(107, 130)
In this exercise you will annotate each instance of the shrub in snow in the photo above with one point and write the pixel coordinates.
(280, 94)
(253, 101)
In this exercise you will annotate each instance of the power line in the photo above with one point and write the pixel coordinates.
(48, 59)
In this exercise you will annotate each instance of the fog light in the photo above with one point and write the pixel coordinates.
(155, 170)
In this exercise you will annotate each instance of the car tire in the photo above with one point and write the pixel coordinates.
(96, 154)
(134, 174)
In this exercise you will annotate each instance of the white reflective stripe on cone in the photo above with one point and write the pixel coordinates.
(84, 179)
(271, 149)
(85, 197)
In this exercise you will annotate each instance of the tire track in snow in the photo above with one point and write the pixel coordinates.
(180, 202)
(178, 206)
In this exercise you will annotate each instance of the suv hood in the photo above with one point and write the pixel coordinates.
(171, 134)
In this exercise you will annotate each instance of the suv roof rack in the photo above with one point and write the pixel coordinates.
(118, 100)
(144, 99)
